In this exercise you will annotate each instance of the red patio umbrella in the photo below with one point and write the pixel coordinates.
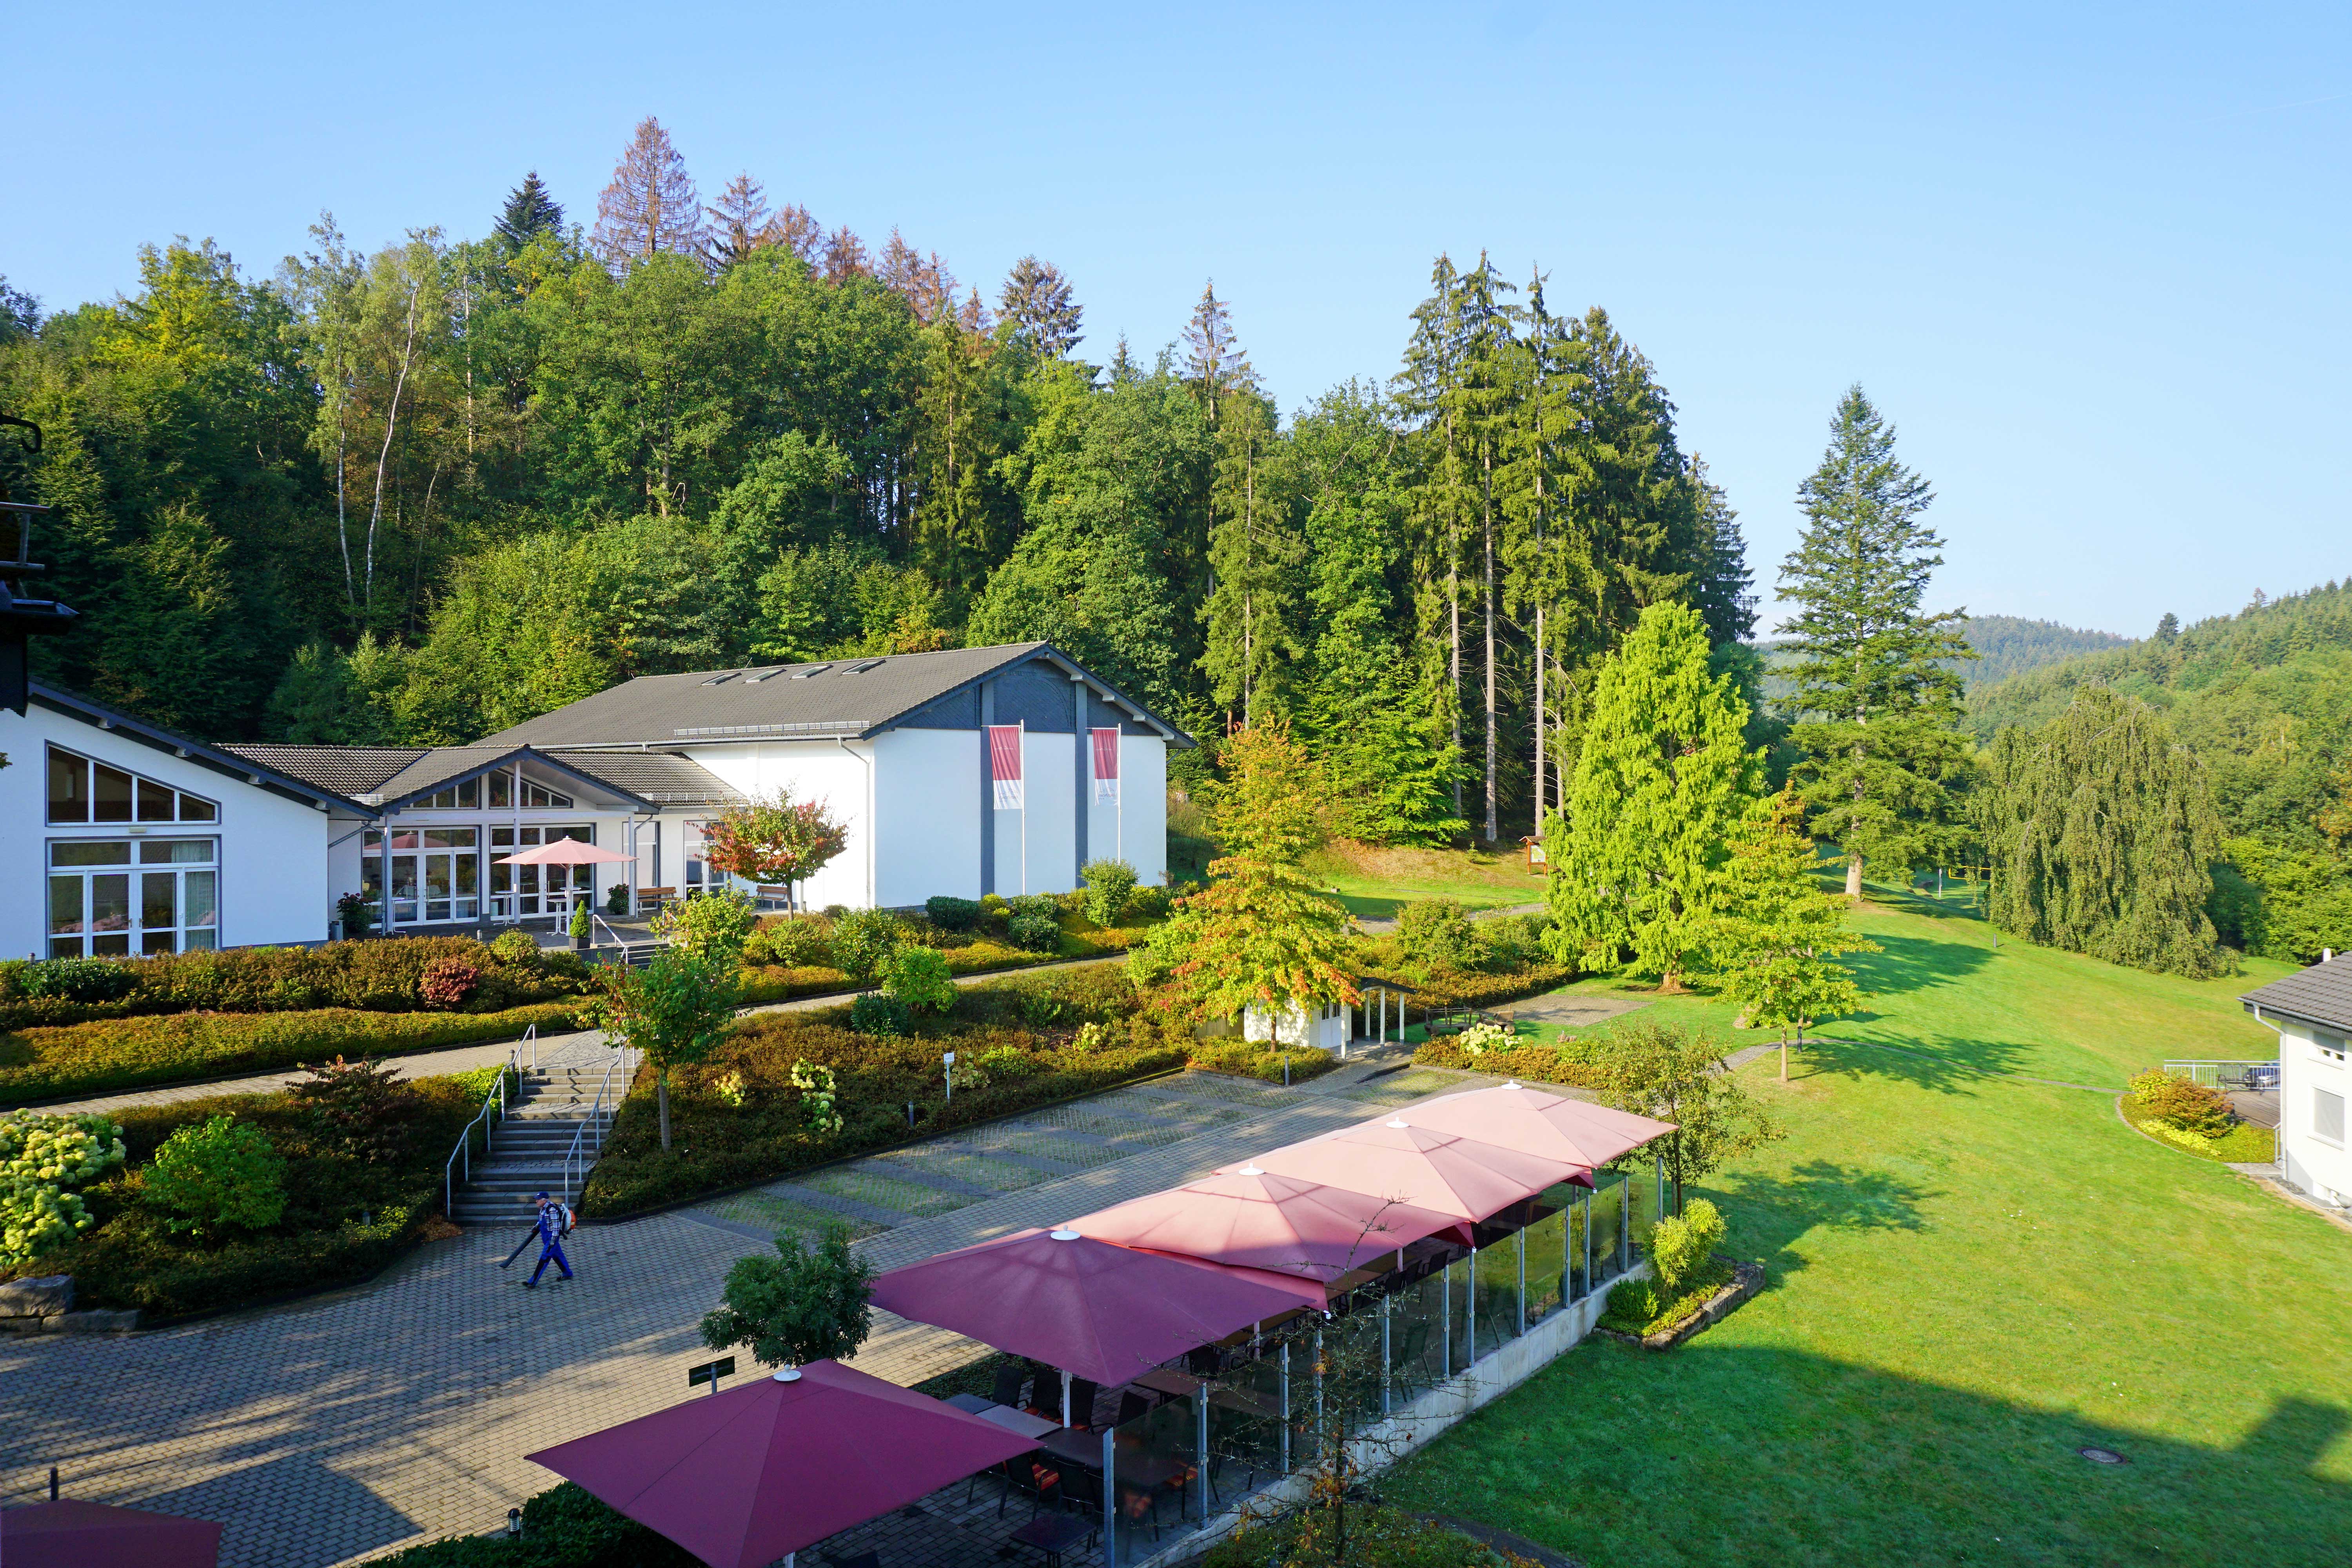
(1258, 1220)
(1537, 1121)
(76, 1534)
(1102, 1312)
(1403, 1164)
(740, 1478)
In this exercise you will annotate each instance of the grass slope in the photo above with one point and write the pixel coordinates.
(1374, 883)
(1971, 1277)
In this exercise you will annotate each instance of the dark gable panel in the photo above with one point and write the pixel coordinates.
(1101, 715)
(1035, 695)
(960, 711)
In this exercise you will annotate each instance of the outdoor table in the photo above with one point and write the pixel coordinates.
(1052, 1534)
(1246, 1401)
(1174, 1384)
(1072, 1447)
(1018, 1421)
(972, 1403)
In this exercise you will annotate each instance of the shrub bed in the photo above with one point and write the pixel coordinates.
(1644, 1307)
(1572, 1062)
(1255, 1059)
(125, 1053)
(1458, 988)
(383, 976)
(2241, 1143)
(345, 1216)
(563, 1527)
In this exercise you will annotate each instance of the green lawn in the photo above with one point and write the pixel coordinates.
(1971, 1277)
(1375, 883)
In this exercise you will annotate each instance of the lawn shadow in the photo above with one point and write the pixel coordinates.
(1943, 1065)
(1911, 963)
(1820, 1195)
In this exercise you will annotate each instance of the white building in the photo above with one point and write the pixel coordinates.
(974, 771)
(2312, 1012)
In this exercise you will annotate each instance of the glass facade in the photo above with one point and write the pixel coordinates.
(113, 898)
(436, 874)
(83, 789)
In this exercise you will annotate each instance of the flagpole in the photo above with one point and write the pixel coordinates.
(1021, 741)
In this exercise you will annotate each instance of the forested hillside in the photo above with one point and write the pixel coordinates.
(2263, 699)
(2011, 645)
(420, 493)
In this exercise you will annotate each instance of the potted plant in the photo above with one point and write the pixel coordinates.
(580, 925)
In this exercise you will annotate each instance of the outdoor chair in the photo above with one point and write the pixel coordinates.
(863, 1560)
(1082, 1493)
(1006, 1389)
(1081, 1403)
(1045, 1483)
(1044, 1385)
(1132, 1406)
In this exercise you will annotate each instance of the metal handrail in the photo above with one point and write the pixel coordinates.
(497, 1096)
(574, 1172)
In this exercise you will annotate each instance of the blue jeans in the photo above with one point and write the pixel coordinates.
(552, 1253)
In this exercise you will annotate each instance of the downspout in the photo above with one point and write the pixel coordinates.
(867, 763)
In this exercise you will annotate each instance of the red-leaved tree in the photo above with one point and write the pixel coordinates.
(774, 839)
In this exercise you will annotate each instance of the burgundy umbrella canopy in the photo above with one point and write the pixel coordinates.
(1535, 1121)
(1432, 1170)
(1258, 1220)
(1101, 1312)
(75, 1534)
(740, 1479)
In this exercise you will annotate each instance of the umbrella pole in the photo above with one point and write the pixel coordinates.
(1065, 1398)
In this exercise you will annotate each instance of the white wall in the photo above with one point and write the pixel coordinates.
(927, 815)
(2306, 1067)
(1049, 761)
(1143, 784)
(273, 867)
(811, 770)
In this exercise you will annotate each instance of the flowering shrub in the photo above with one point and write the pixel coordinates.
(43, 1159)
(817, 1086)
(1479, 1038)
(448, 982)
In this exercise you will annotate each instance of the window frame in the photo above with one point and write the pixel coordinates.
(134, 800)
(140, 869)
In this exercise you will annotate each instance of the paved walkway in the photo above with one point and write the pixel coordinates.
(335, 1428)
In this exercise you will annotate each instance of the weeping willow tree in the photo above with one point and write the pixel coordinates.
(2103, 834)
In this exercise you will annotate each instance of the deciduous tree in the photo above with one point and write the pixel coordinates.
(1679, 1076)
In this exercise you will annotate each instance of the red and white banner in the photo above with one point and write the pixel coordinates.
(1004, 764)
(1106, 748)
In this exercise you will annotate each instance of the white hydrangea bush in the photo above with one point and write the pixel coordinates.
(43, 1161)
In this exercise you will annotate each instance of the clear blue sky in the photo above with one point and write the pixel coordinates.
(2092, 261)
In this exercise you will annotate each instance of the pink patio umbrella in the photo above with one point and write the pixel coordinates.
(1101, 1312)
(1403, 1164)
(76, 1534)
(742, 1478)
(1537, 1121)
(1258, 1220)
(563, 852)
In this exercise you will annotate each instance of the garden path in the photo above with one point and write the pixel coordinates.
(344, 1425)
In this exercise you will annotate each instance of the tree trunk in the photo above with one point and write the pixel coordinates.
(1487, 524)
(1854, 877)
(1784, 1056)
(661, 1099)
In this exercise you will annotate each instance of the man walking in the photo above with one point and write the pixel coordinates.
(550, 1227)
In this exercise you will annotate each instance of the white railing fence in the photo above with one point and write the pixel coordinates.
(2254, 1076)
(588, 1142)
(495, 1100)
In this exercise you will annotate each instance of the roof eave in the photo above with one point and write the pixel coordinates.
(244, 769)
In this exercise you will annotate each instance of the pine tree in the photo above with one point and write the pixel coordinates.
(845, 256)
(1876, 705)
(2167, 630)
(530, 211)
(1256, 556)
(740, 222)
(1215, 361)
(2101, 834)
(794, 230)
(651, 206)
(1035, 300)
(1443, 501)
(1482, 395)
(1778, 934)
(924, 282)
(1662, 783)
(1722, 587)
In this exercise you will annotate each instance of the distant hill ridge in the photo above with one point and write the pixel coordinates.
(2267, 635)
(2005, 645)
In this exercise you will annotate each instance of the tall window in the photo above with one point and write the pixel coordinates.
(436, 874)
(518, 892)
(114, 897)
(84, 790)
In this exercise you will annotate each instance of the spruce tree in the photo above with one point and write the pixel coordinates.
(739, 222)
(1215, 361)
(1877, 704)
(530, 211)
(651, 206)
(1036, 303)
(1776, 939)
(2103, 835)
(1256, 560)
(1664, 783)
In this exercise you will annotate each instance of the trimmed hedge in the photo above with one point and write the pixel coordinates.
(378, 976)
(1255, 1059)
(126, 1053)
(344, 1219)
(1574, 1063)
(717, 1145)
(1456, 988)
(563, 1527)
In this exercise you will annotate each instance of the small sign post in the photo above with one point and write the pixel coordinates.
(710, 1372)
(947, 1059)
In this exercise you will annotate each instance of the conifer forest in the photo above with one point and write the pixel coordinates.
(417, 493)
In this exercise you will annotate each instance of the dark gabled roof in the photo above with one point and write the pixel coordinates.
(842, 696)
(220, 759)
(2321, 995)
(346, 770)
(663, 778)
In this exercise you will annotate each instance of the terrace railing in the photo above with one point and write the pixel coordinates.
(588, 1141)
(493, 1113)
(2253, 1076)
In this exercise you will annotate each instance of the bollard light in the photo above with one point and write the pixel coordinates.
(514, 1524)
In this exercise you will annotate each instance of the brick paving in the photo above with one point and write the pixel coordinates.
(337, 1427)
